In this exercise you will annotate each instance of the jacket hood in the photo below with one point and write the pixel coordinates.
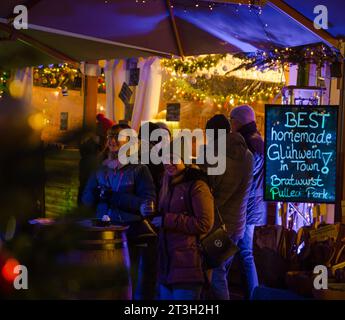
(236, 146)
(194, 174)
(191, 173)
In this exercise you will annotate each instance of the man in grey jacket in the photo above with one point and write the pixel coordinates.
(242, 119)
(231, 191)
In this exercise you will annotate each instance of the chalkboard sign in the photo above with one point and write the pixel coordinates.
(300, 153)
(173, 112)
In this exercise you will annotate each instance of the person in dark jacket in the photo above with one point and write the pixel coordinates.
(231, 192)
(89, 160)
(118, 191)
(156, 170)
(186, 205)
(242, 120)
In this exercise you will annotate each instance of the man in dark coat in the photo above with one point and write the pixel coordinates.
(156, 170)
(231, 192)
(242, 120)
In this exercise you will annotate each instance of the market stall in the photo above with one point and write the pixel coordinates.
(181, 62)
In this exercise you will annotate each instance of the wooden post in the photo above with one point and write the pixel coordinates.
(339, 208)
(90, 99)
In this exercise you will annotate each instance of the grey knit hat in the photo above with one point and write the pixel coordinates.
(243, 114)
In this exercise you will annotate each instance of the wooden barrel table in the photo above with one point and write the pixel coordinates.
(90, 262)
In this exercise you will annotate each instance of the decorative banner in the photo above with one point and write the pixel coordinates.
(125, 93)
(301, 153)
(134, 76)
(173, 112)
(129, 111)
(131, 63)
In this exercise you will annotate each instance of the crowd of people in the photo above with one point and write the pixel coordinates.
(185, 200)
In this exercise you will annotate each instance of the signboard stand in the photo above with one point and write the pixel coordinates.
(300, 165)
(288, 211)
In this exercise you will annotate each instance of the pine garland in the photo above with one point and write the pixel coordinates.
(220, 89)
(317, 54)
(193, 64)
(62, 75)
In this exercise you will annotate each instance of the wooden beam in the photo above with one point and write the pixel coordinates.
(36, 44)
(303, 21)
(174, 27)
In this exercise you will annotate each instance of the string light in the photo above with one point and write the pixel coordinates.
(4, 76)
(63, 75)
(180, 90)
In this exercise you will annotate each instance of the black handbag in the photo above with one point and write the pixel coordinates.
(216, 247)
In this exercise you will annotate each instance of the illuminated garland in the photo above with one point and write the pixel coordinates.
(192, 64)
(207, 79)
(262, 60)
(220, 90)
(4, 76)
(62, 75)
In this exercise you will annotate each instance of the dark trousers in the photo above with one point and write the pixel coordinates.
(219, 289)
(143, 257)
(219, 283)
(180, 292)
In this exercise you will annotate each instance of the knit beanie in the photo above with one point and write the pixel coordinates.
(243, 114)
(218, 121)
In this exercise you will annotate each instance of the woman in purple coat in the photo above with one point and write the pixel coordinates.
(187, 209)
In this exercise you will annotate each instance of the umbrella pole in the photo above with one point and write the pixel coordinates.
(174, 27)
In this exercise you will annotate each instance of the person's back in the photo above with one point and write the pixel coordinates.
(231, 190)
(156, 170)
(256, 210)
(243, 121)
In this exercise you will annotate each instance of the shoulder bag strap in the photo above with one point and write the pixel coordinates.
(190, 206)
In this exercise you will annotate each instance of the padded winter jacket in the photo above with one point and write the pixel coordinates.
(131, 185)
(256, 208)
(180, 260)
(231, 189)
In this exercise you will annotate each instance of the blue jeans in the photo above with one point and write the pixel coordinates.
(219, 282)
(180, 292)
(247, 260)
